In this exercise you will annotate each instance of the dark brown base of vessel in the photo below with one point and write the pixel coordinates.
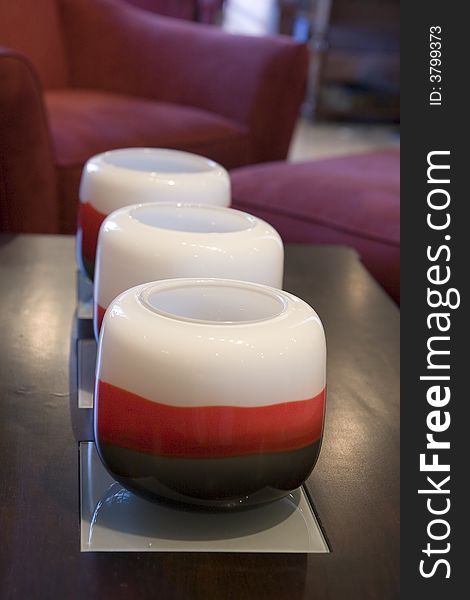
(234, 482)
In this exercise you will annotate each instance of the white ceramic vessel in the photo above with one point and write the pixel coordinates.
(121, 177)
(146, 242)
(210, 392)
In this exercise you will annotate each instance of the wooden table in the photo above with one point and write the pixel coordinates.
(355, 485)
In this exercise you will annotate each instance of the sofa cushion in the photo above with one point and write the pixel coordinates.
(85, 122)
(350, 200)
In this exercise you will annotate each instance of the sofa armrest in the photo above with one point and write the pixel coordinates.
(255, 81)
(28, 197)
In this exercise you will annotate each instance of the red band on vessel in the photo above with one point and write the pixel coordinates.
(130, 421)
(89, 222)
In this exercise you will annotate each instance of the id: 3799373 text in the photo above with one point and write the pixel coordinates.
(435, 65)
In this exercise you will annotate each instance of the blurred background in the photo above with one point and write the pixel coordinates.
(81, 77)
(352, 102)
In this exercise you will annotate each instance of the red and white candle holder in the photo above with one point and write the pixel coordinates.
(210, 392)
(148, 242)
(121, 177)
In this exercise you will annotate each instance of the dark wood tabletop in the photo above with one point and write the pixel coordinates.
(354, 486)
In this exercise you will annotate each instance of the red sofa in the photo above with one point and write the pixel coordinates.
(78, 77)
(350, 200)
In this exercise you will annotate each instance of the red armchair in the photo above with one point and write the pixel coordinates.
(101, 74)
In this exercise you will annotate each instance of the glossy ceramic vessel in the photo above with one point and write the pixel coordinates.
(210, 392)
(146, 242)
(121, 177)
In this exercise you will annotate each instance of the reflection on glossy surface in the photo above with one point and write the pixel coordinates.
(84, 297)
(42, 309)
(86, 354)
(115, 519)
